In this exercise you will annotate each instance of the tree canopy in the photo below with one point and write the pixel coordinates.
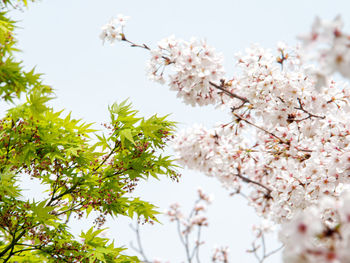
(84, 170)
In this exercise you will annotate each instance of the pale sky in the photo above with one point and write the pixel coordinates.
(60, 38)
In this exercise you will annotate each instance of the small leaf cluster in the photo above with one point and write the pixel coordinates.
(13, 79)
(14, 3)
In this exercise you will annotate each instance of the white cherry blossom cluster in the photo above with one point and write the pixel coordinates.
(289, 137)
(299, 133)
(113, 30)
(215, 152)
(194, 66)
(329, 46)
(320, 233)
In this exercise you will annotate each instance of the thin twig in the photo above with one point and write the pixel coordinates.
(198, 243)
(264, 255)
(240, 118)
(247, 180)
(231, 94)
(132, 44)
(239, 192)
(12, 244)
(80, 180)
(274, 251)
(310, 115)
(139, 243)
(263, 246)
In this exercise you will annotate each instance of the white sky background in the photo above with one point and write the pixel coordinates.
(60, 38)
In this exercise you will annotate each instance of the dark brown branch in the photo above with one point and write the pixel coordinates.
(25, 249)
(238, 107)
(247, 180)
(260, 128)
(12, 245)
(310, 115)
(132, 44)
(70, 190)
(231, 94)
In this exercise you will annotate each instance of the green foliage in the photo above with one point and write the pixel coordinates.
(81, 177)
(14, 3)
(13, 79)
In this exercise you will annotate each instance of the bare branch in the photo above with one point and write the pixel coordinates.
(265, 254)
(139, 249)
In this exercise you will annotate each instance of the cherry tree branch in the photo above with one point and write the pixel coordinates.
(132, 44)
(229, 93)
(265, 254)
(310, 115)
(183, 240)
(240, 118)
(139, 248)
(247, 180)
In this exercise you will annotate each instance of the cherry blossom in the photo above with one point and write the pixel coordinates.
(221, 255)
(194, 66)
(319, 233)
(298, 134)
(288, 137)
(113, 30)
(329, 46)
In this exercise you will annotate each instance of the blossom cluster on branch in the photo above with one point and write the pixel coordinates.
(328, 46)
(289, 134)
(320, 233)
(194, 66)
(189, 230)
